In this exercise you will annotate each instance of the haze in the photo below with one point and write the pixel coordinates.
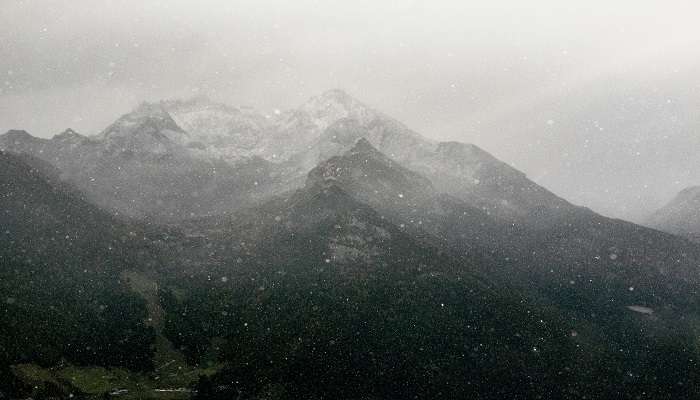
(597, 101)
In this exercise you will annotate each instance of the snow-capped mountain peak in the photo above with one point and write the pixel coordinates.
(334, 105)
(146, 119)
(148, 129)
(217, 129)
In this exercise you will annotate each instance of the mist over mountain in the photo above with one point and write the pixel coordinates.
(197, 249)
(349, 200)
(681, 216)
(145, 154)
(596, 103)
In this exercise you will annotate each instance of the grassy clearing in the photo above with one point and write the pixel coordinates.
(95, 382)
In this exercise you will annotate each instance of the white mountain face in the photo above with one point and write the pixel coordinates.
(141, 166)
(188, 150)
(332, 123)
(324, 126)
(219, 131)
(306, 124)
(148, 129)
(334, 105)
(312, 128)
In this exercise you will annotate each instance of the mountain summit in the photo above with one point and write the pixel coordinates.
(148, 129)
(146, 118)
(372, 177)
(334, 105)
(219, 130)
(185, 140)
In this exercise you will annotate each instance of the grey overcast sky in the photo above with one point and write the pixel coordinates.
(598, 101)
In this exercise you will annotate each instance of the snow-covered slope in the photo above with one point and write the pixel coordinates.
(148, 129)
(141, 166)
(173, 147)
(217, 130)
(304, 130)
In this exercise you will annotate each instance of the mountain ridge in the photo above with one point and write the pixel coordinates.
(680, 216)
(292, 144)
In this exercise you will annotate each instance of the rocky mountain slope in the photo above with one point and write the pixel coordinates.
(216, 140)
(681, 216)
(140, 166)
(363, 225)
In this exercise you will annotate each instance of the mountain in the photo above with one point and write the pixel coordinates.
(681, 216)
(318, 284)
(372, 177)
(147, 130)
(70, 136)
(540, 256)
(329, 124)
(473, 175)
(21, 141)
(141, 166)
(449, 193)
(60, 264)
(218, 130)
(171, 168)
(335, 121)
(298, 130)
(348, 272)
(408, 198)
(330, 251)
